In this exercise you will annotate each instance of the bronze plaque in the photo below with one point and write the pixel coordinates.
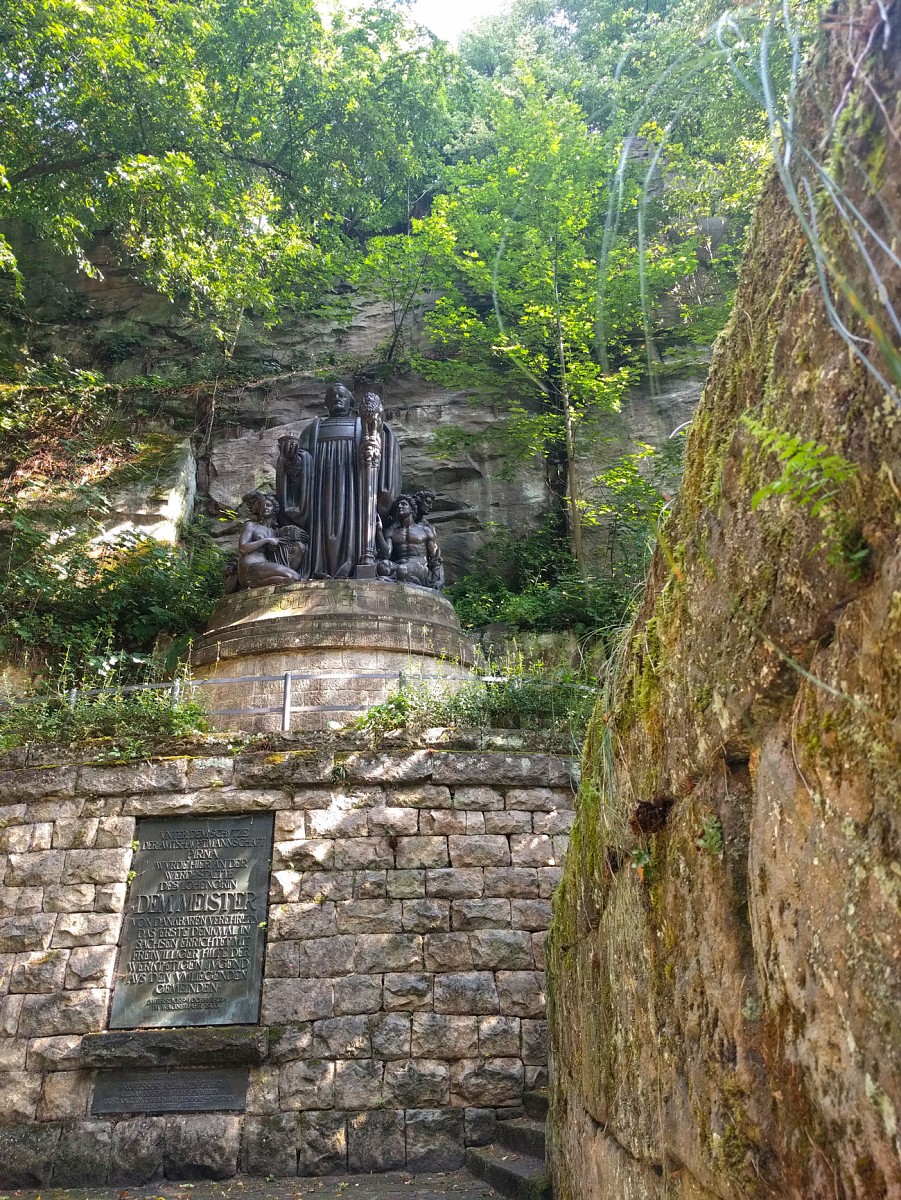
(224, 1090)
(195, 923)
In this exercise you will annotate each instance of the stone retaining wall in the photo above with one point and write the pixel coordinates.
(403, 993)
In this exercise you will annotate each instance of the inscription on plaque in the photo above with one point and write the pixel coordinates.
(224, 1090)
(194, 928)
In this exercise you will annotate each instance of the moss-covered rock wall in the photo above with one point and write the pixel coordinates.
(725, 957)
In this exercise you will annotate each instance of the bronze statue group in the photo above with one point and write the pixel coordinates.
(338, 511)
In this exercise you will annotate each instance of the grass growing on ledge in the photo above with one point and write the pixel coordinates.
(560, 705)
(115, 725)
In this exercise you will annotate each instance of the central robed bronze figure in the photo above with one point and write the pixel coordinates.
(338, 511)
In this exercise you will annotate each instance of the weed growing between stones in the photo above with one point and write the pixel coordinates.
(559, 704)
(115, 725)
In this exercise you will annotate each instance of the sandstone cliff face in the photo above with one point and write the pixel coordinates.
(725, 958)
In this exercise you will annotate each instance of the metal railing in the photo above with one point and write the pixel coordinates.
(286, 707)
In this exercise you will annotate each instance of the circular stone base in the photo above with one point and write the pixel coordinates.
(327, 633)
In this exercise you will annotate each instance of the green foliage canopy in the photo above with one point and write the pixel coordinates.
(231, 147)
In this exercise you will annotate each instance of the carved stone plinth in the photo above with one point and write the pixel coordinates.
(326, 629)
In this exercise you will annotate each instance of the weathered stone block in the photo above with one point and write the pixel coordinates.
(12, 1054)
(9, 901)
(68, 835)
(115, 833)
(69, 897)
(306, 1085)
(501, 949)
(342, 1037)
(300, 921)
(291, 826)
(455, 883)
(435, 1139)
(554, 824)
(364, 854)
(269, 1145)
(138, 1150)
(390, 1034)
(321, 957)
(200, 1046)
(15, 839)
(534, 1042)
(447, 952)
(548, 879)
(469, 993)
(65, 1096)
(436, 1035)
(87, 929)
(282, 960)
(358, 1083)
(209, 772)
(521, 993)
(356, 994)
(133, 780)
(370, 885)
(338, 820)
(31, 900)
(441, 821)
(417, 1083)
(211, 800)
(426, 795)
(253, 769)
(498, 1037)
(480, 914)
(80, 1011)
(288, 1043)
(10, 1013)
(397, 766)
(421, 852)
(55, 1053)
(405, 885)
(98, 866)
(287, 1002)
(426, 916)
(491, 769)
(540, 799)
(319, 886)
(376, 1141)
(480, 1126)
(407, 992)
(393, 822)
(110, 897)
(83, 1155)
(508, 821)
(91, 966)
(530, 914)
(478, 799)
(21, 1091)
(45, 813)
(485, 850)
(370, 916)
(387, 952)
(521, 882)
(306, 854)
(532, 850)
(497, 1081)
(34, 869)
(38, 784)
(539, 942)
(27, 1154)
(39, 971)
(202, 1146)
(262, 1091)
(321, 1143)
(6, 970)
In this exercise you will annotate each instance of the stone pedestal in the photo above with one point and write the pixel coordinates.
(325, 633)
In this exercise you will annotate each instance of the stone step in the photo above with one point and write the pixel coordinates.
(524, 1134)
(521, 1176)
(536, 1104)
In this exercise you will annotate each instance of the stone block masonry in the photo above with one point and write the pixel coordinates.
(402, 1006)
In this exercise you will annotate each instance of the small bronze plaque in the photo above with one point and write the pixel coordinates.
(224, 1090)
(195, 924)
